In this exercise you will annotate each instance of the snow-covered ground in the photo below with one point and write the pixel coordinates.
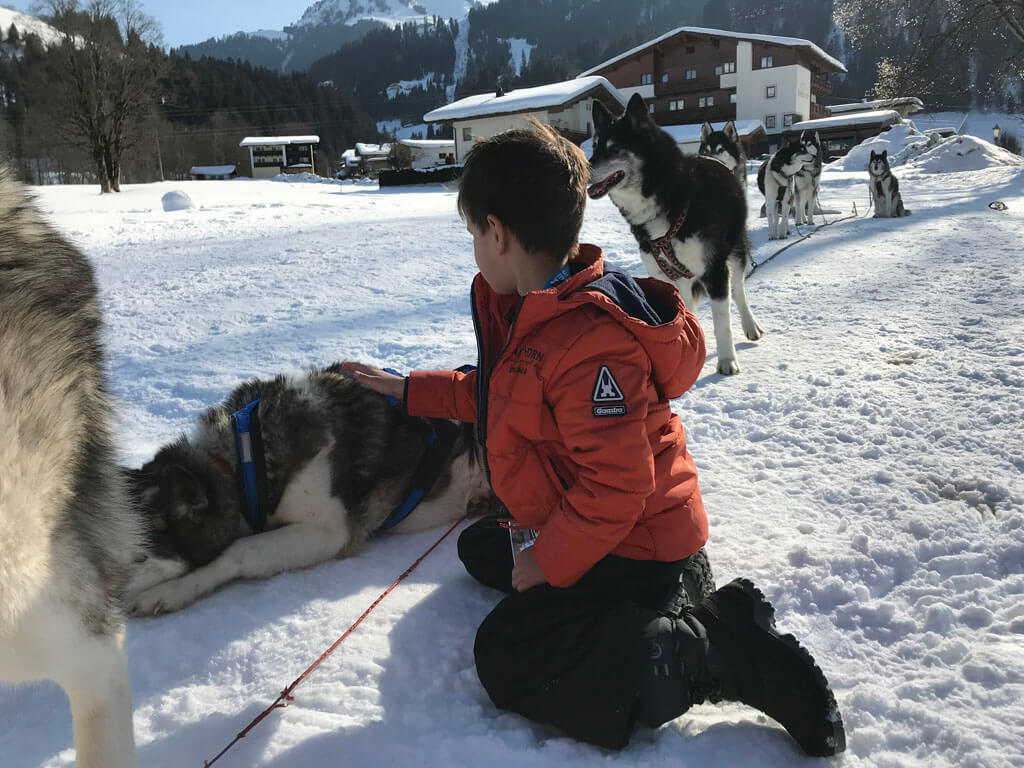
(865, 469)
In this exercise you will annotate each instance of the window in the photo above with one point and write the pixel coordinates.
(766, 61)
(664, 78)
(677, 104)
(691, 74)
(690, 49)
(769, 121)
(729, 67)
(650, 108)
(646, 79)
(711, 101)
(467, 134)
(769, 92)
(787, 120)
(702, 102)
(714, 43)
(732, 98)
(718, 69)
(706, 101)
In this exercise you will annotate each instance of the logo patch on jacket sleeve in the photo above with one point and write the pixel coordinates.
(606, 392)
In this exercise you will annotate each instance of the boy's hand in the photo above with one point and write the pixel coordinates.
(526, 574)
(377, 380)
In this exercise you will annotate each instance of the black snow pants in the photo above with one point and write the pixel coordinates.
(574, 657)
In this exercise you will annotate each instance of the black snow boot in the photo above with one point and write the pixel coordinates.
(727, 648)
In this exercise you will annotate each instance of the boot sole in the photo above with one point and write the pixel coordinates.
(830, 737)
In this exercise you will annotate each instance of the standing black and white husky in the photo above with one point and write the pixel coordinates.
(688, 215)
(339, 460)
(726, 147)
(885, 189)
(776, 180)
(807, 182)
(67, 537)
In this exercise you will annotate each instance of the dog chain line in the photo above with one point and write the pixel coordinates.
(286, 695)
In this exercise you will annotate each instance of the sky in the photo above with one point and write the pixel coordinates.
(192, 21)
(864, 469)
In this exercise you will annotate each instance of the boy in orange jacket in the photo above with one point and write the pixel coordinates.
(611, 617)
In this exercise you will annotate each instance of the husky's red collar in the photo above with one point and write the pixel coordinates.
(663, 252)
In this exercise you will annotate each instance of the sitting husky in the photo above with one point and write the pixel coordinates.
(339, 463)
(776, 179)
(726, 147)
(688, 215)
(808, 180)
(885, 189)
(67, 538)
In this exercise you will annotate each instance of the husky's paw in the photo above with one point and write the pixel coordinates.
(163, 598)
(728, 367)
(754, 332)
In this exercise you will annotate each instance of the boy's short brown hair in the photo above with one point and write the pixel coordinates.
(534, 181)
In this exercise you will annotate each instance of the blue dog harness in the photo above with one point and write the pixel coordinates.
(253, 466)
(252, 463)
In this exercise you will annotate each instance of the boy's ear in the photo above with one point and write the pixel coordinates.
(497, 230)
(637, 110)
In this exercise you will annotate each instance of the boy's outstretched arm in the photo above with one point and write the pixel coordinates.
(380, 381)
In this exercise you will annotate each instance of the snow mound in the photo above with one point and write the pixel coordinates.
(176, 200)
(902, 141)
(965, 153)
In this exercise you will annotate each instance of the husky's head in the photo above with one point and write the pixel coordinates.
(723, 145)
(191, 508)
(811, 143)
(879, 163)
(621, 149)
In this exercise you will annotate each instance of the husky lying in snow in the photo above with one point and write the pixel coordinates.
(339, 461)
(67, 536)
(688, 215)
(885, 189)
(726, 147)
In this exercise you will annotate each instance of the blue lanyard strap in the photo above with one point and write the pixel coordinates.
(558, 277)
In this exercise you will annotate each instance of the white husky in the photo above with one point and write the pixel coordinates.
(67, 538)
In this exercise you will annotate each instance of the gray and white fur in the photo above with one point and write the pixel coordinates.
(339, 459)
(654, 186)
(885, 189)
(777, 175)
(67, 536)
(807, 182)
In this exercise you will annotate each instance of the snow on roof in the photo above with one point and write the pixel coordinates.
(256, 141)
(429, 143)
(797, 42)
(372, 150)
(882, 116)
(212, 170)
(523, 99)
(868, 106)
(686, 134)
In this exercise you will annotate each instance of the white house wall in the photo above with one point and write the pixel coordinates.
(792, 91)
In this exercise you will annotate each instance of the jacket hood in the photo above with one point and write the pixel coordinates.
(650, 309)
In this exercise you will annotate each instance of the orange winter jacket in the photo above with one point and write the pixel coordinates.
(571, 401)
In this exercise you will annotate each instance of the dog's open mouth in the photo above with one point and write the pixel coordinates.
(600, 188)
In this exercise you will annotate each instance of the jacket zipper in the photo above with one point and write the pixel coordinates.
(484, 380)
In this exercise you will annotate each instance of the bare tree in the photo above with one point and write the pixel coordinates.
(100, 78)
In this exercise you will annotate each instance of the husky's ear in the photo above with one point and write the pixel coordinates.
(885, 154)
(872, 154)
(602, 117)
(636, 111)
(731, 132)
(186, 497)
(705, 131)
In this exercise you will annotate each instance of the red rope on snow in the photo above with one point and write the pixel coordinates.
(282, 701)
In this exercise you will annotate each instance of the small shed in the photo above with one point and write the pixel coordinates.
(840, 133)
(210, 172)
(273, 155)
(373, 158)
(429, 153)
